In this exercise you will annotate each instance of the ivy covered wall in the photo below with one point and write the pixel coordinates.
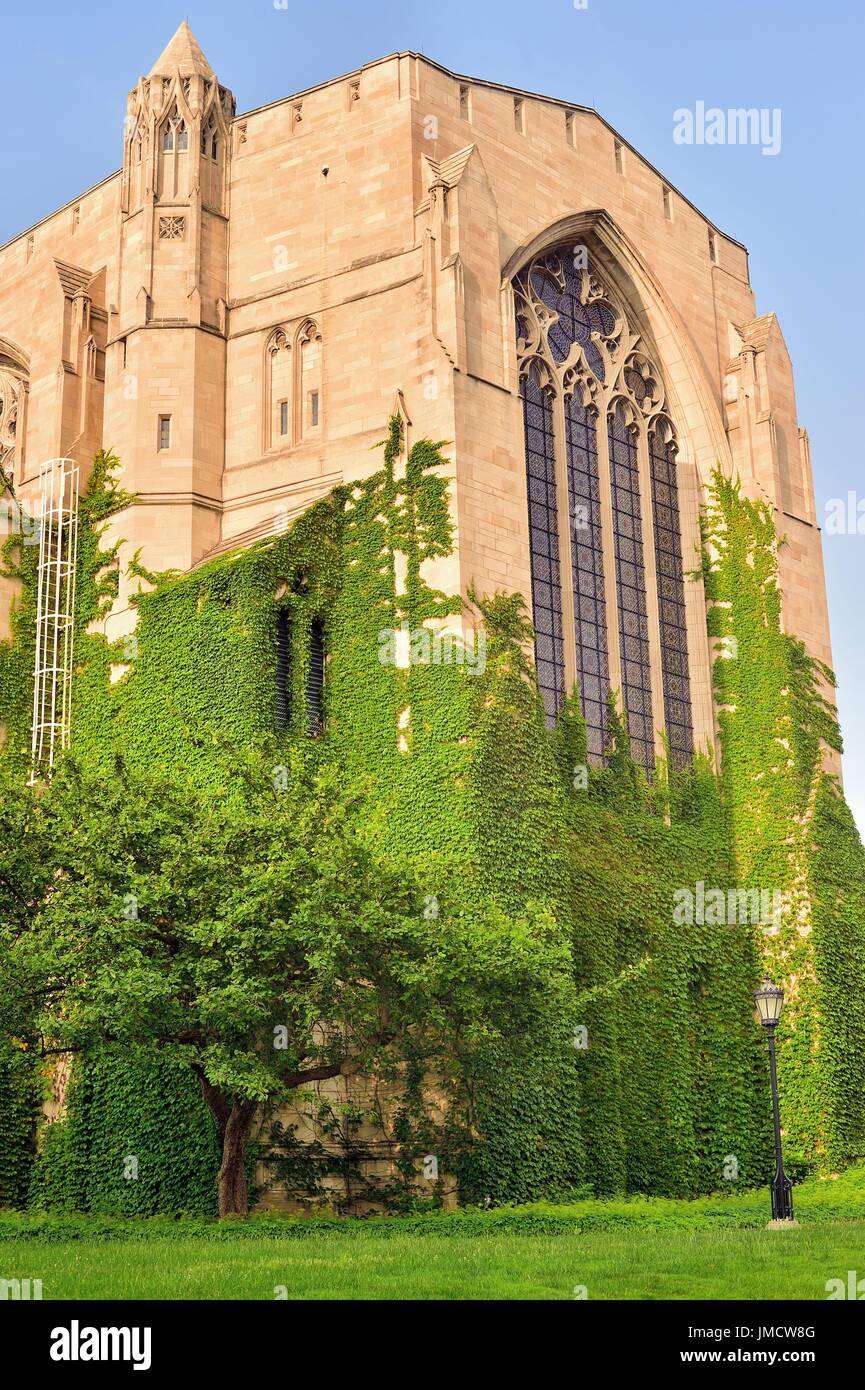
(650, 1074)
(791, 830)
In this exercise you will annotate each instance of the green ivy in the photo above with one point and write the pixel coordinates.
(136, 1141)
(649, 1074)
(791, 830)
(20, 1094)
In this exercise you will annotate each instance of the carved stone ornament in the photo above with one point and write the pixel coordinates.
(172, 228)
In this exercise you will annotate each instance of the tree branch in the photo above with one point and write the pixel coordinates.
(213, 1099)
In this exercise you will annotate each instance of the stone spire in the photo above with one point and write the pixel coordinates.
(184, 55)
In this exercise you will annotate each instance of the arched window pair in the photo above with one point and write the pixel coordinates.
(292, 386)
(603, 503)
(210, 138)
(175, 136)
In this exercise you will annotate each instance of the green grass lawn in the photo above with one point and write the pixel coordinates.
(713, 1248)
(628, 1264)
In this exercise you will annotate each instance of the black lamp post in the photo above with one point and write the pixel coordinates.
(770, 999)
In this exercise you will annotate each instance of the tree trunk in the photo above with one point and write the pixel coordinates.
(234, 1123)
(233, 1195)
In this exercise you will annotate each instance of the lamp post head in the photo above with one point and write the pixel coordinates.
(769, 999)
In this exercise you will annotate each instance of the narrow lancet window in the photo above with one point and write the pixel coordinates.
(315, 679)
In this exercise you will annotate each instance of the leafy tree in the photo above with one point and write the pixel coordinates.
(254, 934)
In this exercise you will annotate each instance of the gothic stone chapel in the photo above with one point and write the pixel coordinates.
(241, 314)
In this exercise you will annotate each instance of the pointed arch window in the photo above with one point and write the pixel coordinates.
(277, 390)
(307, 385)
(210, 137)
(211, 170)
(587, 569)
(635, 656)
(544, 543)
(671, 592)
(175, 136)
(602, 491)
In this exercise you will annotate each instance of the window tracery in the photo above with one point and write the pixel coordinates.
(175, 136)
(12, 400)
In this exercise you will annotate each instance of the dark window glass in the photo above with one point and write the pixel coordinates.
(575, 322)
(587, 568)
(315, 679)
(671, 601)
(544, 547)
(631, 584)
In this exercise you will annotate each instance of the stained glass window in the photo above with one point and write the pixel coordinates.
(576, 336)
(587, 569)
(576, 321)
(671, 600)
(631, 587)
(544, 546)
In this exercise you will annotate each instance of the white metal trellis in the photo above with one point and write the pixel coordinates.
(55, 611)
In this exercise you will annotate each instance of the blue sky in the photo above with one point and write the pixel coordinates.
(68, 66)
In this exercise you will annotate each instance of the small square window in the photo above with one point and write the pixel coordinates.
(313, 407)
(283, 417)
(165, 432)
